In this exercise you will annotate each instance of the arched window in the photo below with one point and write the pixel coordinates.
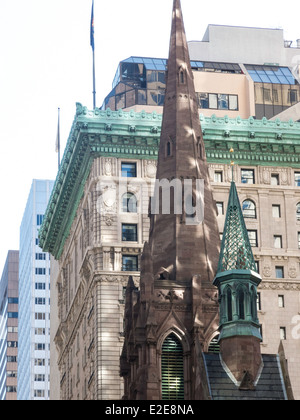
(298, 212)
(129, 203)
(181, 77)
(241, 303)
(229, 304)
(253, 304)
(249, 209)
(172, 371)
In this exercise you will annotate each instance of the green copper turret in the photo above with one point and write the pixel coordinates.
(237, 279)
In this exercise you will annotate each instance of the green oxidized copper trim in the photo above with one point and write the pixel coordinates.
(93, 134)
(236, 252)
(133, 135)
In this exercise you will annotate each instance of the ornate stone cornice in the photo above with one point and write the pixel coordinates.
(96, 133)
(280, 285)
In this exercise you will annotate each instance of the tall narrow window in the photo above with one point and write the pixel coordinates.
(229, 305)
(168, 149)
(181, 77)
(172, 372)
(241, 304)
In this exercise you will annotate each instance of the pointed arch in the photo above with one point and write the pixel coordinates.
(172, 368)
(228, 297)
(241, 302)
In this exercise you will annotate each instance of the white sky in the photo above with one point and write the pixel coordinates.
(46, 63)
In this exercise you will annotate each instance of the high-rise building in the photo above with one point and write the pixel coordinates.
(9, 327)
(170, 321)
(97, 222)
(245, 78)
(34, 299)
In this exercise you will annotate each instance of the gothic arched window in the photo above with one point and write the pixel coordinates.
(229, 304)
(253, 304)
(172, 371)
(241, 303)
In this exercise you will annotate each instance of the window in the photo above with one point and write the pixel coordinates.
(229, 304)
(258, 302)
(253, 238)
(203, 100)
(276, 211)
(128, 170)
(172, 370)
(213, 101)
(13, 300)
(12, 315)
(279, 272)
(40, 301)
(40, 346)
(299, 240)
(12, 344)
(298, 212)
(129, 233)
(297, 179)
(219, 101)
(249, 209)
(223, 102)
(40, 271)
(39, 362)
(40, 286)
(220, 208)
(241, 304)
(282, 333)
(39, 377)
(277, 241)
(274, 179)
(218, 176)
(39, 393)
(39, 219)
(182, 77)
(10, 389)
(293, 96)
(233, 103)
(129, 203)
(247, 176)
(281, 301)
(40, 256)
(129, 263)
(168, 149)
(40, 316)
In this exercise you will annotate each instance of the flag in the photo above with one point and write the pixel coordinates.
(92, 29)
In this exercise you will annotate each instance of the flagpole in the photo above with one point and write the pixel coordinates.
(58, 138)
(92, 30)
(94, 80)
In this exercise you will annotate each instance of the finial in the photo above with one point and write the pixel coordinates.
(232, 164)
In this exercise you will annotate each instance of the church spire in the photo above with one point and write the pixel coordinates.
(237, 282)
(186, 241)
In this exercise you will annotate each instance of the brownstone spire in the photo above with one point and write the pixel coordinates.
(179, 245)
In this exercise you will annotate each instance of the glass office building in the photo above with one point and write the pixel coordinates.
(142, 81)
(34, 300)
(9, 327)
